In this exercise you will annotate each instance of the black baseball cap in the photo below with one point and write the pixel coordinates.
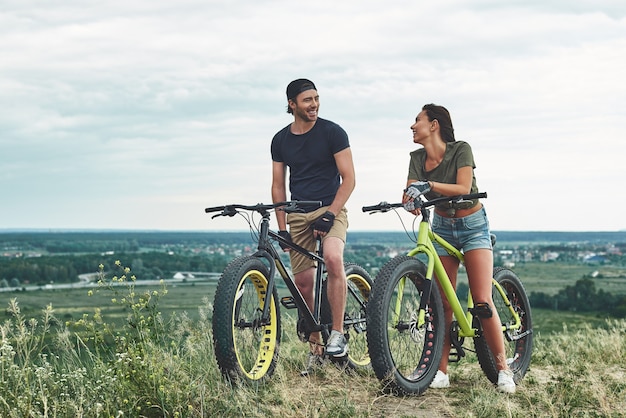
(298, 86)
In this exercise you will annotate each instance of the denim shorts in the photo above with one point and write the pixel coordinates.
(468, 233)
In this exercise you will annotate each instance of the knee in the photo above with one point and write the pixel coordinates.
(482, 310)
(334, 262)
(303, 285)
(304, 281)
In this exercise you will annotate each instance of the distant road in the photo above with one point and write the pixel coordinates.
(89, 280)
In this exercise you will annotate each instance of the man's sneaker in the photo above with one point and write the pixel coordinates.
(505, 381)
(441, 381)
(337, 345)
(313, 363)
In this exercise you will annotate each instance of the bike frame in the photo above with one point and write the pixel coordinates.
(425, 245)
(268, 252)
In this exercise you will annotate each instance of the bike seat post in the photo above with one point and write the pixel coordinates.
(318, 284)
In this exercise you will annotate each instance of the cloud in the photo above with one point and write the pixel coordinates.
(137, 115)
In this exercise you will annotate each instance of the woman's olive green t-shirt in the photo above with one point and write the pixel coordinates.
(458, 154)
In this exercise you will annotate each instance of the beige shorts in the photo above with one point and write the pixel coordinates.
(302, 234)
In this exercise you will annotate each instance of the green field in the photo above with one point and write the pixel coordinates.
(190, 298)
(72, 304)
(552, 277)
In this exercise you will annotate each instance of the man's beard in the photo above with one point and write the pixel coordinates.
(304, 115)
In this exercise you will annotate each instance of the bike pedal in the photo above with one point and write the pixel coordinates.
(454, 358)
(287, 302)
(456, 354)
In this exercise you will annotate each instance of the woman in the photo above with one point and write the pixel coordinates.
(445, 167)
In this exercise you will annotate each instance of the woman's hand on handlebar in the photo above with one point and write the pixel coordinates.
(409, 204)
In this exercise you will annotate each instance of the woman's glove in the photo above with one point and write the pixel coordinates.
(409, 205)
(325, 222)
(417, 189)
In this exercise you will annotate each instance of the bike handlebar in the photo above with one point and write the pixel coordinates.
(289, 206)
(385, 207)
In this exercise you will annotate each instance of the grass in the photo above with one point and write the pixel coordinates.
(80, 358)
(551, 277)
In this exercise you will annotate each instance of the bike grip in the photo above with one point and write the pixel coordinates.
(214, 209)
(370, 208)
(481, 195)
(315, 203)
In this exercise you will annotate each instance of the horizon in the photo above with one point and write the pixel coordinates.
(165, 231)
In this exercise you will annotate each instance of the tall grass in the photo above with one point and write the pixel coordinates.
(153, 366)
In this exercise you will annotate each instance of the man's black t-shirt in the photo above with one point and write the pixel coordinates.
(313, 173)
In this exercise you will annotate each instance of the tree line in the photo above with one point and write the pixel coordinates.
(19, 271)
(581, 297)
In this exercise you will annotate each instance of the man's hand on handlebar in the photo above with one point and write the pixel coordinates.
(287, 237)
(323, 224)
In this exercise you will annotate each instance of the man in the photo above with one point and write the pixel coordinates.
(318, 155)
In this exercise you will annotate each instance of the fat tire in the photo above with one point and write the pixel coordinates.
(405, 359)
(245, 351)
(359, 285)
(520, 350)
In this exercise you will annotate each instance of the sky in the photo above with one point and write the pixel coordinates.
(138, 115)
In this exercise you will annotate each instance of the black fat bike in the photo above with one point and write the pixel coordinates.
(246, 311)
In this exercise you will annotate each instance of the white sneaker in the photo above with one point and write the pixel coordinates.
(337, 345)
(506, 383)
(441, 381)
